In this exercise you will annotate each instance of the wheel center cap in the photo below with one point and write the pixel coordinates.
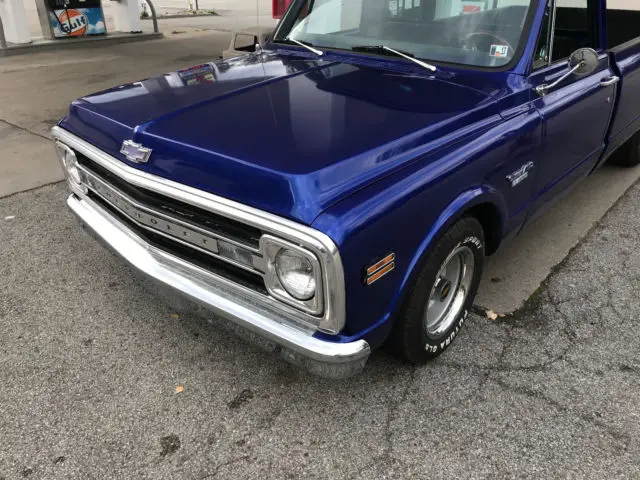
(446, 289)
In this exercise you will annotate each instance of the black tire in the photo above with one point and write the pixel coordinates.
(409, 338)
(628, 155)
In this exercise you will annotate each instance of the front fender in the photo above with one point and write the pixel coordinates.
(387, 295)
(403, 213)
(463, 203)
(484, 195)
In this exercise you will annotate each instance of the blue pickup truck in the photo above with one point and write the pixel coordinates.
(339, 188)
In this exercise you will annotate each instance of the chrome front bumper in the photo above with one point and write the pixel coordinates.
(293, 343)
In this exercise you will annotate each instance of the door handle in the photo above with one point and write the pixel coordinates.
(608, 81)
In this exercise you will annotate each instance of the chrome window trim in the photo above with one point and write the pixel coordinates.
(282, 21)
(333, 317)
(552, 31)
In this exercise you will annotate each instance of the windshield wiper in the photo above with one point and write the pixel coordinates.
(382, 49)
(307, 45)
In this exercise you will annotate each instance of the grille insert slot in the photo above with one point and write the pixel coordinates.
(175, 229)
(205, 239)
(186, 253)
(225, 227)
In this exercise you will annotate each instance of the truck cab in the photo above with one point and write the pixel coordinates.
(391, 145)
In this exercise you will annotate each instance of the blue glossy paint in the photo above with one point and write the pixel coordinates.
(405, 211)
(376, 152)
(572, 145)
(308, 136)
(627, 117)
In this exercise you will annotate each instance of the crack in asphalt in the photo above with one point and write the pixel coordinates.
(387, 457)
(28, 190)
(26, 130)
(492, 372)
(393, 409)
(536, 395)
(216, 468)
(612, 305)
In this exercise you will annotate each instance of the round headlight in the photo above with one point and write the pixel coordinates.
(296, 274)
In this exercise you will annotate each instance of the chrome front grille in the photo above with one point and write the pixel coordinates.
(229, 250)
(222, 241)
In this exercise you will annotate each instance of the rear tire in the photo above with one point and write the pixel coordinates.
(628, 155)
(438, 303)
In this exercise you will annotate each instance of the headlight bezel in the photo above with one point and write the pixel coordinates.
(69, 162)
(270, 247)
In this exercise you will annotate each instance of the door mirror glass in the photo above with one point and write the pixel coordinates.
(585, 59)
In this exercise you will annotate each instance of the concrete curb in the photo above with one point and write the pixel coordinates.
(164, 17)
(68, 43)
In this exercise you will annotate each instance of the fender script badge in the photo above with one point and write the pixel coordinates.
(519, 175)
(134, 152)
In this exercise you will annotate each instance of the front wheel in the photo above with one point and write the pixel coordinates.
(442, 294)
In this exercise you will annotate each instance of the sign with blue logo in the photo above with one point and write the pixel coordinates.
(77, 22)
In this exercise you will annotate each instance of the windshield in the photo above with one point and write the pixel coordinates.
(484, 33)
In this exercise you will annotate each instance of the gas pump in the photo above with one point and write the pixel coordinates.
(279, 7)
(75, 18)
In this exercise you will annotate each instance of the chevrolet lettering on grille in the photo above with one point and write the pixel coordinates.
(169, 227)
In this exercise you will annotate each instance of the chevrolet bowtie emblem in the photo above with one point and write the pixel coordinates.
(134, 152)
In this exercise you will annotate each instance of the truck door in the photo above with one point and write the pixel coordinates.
(623, 38)
(576, 111)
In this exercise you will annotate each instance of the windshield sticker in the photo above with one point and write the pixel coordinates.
(473, 6)
(499, 51)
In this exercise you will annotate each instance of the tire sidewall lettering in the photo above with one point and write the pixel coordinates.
(473, 240)
(443, 344)
(432, 346)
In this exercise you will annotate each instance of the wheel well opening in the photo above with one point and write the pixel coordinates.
(489, 217)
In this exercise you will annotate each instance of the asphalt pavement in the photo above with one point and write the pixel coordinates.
(101, 379)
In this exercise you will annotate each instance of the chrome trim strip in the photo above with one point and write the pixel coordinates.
(95, 184)
(171, 218)
(212, 292)
(552, 32)
(333, 318)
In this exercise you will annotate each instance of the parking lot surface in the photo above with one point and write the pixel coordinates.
(100, 379)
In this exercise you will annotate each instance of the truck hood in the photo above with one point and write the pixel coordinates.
(288, 135)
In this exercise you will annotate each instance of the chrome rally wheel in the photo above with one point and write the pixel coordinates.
(439, 300)
(449, 292)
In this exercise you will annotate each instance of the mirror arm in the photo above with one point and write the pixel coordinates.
(542, 90)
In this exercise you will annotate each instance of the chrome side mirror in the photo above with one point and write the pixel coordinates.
(582, 62)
